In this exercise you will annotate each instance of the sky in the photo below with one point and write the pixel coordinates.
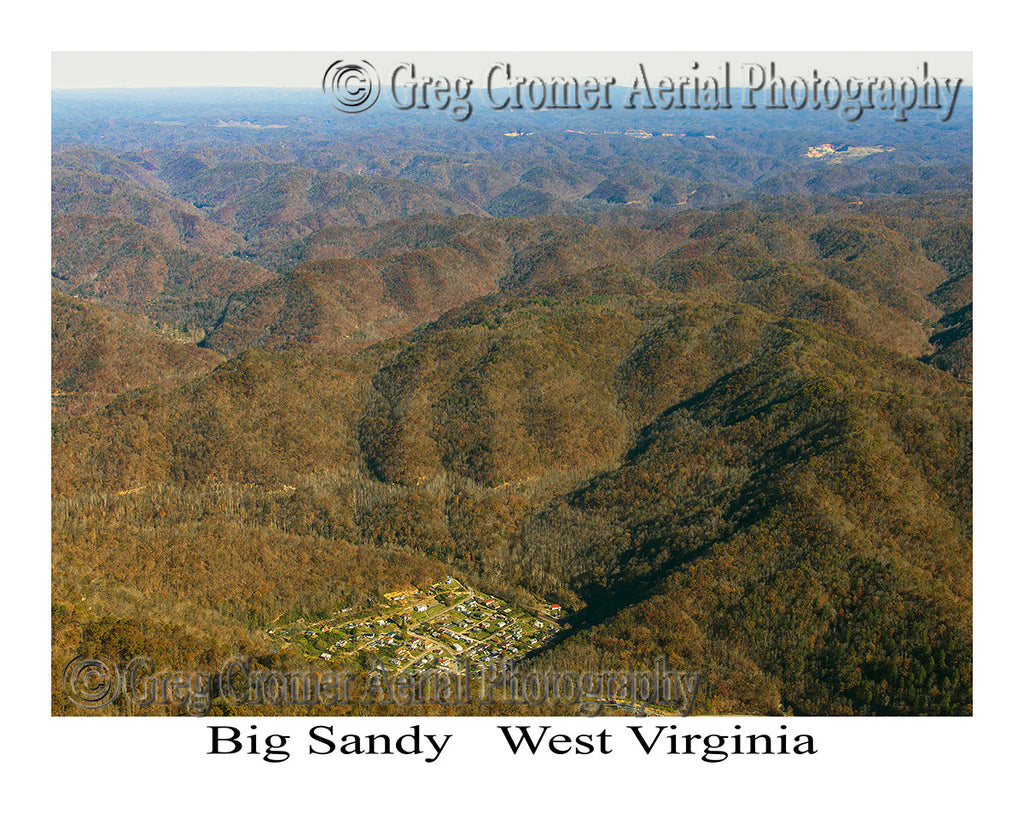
(144, 69)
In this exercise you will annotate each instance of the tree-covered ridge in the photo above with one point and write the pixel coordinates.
(98, 354)
(869, 275)
(118, 263)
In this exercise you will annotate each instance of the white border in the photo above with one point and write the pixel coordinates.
(941, 767)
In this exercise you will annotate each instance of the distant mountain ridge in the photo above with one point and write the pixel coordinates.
(847, 270)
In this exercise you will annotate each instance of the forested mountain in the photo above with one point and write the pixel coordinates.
(98, 353)
(118, 263)
(710, 395)
(597, 449)
(96, 183)
(844, 269)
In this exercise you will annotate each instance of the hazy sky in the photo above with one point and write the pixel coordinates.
(305, 69)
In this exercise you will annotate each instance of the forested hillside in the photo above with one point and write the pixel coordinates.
(605, 450)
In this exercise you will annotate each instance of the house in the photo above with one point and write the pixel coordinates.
(325, 656)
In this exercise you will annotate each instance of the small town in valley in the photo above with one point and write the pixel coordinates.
(443, 626)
